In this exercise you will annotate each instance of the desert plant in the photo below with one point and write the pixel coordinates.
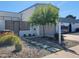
(10, 40)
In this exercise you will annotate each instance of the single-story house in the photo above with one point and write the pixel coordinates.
(69, 25)
(18, 23)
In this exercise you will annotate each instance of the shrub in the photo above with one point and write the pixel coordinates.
(10, 40)
(56, 35)
(24, 35)
(33, 35)
(29, 35)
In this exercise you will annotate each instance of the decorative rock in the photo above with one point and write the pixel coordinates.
(45, 46)
(28, 40)
(57, 49)
(39, 44)
(33, 42)
(53, 49)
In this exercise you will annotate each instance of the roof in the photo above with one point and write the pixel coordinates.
(28, 8)
(65, 20)
(36, 5)
(8, 11)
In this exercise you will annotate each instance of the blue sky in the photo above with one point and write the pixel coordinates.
(66, 7)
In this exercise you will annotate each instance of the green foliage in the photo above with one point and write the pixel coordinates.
(45, 13)
(11, 39)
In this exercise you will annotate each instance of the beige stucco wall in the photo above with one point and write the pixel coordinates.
(27, 14)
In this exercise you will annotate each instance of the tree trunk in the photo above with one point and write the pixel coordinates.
(55, 28)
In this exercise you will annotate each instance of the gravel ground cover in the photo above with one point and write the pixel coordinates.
(29, 50)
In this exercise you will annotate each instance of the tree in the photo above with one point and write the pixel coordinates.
(45, 14)
(71, 16)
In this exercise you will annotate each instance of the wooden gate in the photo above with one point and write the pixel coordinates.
(13, 26)
(16, 27)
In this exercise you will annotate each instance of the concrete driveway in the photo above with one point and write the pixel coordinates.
(65, 54)
(72, 36)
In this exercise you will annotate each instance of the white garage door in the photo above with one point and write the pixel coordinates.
(75, 26)
(2, 25)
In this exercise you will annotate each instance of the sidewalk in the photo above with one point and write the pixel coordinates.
(64, 54)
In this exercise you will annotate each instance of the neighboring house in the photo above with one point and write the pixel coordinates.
(69, 25)
(19, 23)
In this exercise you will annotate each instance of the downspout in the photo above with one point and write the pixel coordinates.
(20, 23)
